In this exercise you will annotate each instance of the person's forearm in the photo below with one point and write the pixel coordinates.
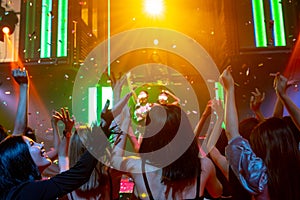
(231, 117)
(133, 140)
(259, 115)
(292, 109)
(215, 133)
(220, 161)
(56, 140)
(21, 119)
(278, 108)
(63, 158)
(200, 124)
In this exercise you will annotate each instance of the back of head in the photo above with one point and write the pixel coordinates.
(293, 127)
(16, 164)
(246, 126)
(164, 123)
(273, 141)
(76, 150)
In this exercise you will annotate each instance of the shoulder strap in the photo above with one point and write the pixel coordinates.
(198, 181)
(198, 186)
(146, 181)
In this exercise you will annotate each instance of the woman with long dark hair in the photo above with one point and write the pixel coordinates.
(21, 162)
(269, 167)
(274, 142)
(168, 164)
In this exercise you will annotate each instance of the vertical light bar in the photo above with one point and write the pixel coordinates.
(92, 107)
(62, 28)
(277, 17)
(46, 27)
(107, 93)
(219, 92)
(259, 23)
(30, 28)
(108, 38)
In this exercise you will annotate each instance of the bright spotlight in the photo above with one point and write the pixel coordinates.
(154, 7)
(5, 30)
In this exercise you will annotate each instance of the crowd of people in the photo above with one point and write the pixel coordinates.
(238, 159)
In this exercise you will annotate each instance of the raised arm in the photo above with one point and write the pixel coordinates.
(280, 85)
(205, 115)
(217, 129)
(64, 116)
(124, 123)
(21, 120)
(249, 169)
(117, 87)
(278, 108)
(177, 100)
(231, 116)
(255, 102)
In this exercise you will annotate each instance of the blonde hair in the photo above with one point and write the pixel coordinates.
(76, 149)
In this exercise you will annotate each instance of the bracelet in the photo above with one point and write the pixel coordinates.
(67, 134)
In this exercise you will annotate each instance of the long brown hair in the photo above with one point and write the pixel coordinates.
(76, 149)
(274, 142)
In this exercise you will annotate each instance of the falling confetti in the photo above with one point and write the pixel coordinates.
(248, 71)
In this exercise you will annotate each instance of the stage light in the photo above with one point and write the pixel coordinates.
(8, 21)
(154, 7)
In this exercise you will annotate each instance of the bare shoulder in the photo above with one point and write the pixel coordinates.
(131, 164)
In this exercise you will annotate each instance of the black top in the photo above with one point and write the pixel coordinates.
(58, 185)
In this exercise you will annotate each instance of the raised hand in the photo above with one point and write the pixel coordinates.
(20, 76)
(280, 84)
(256, 99)
(64, 116)
(226, 79)
(255, 102)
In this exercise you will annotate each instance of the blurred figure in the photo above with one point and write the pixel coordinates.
(163, 98)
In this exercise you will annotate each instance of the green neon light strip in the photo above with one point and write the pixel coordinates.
(46, 26)
(92, 107)
(219, 92)
(108, 37)
(277, 17)
(259, 23)
(62, 29)
(30, 28)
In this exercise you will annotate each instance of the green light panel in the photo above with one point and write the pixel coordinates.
(277, 17)
(46, 28)
(30, 28)
(219, 92)
(259, 23)
(62, 29)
